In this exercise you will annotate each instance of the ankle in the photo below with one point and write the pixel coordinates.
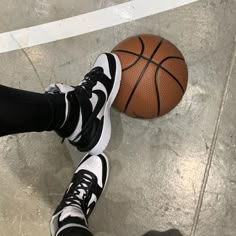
(58, 106)
(74, 231)
(72, 114)
(72, 220)
(73, 214)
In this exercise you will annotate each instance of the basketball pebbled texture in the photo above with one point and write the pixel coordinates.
(154, 77)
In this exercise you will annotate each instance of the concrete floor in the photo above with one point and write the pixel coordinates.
(176, 171)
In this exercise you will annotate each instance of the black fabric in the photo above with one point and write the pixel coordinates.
(72, 220)
(75, 231)
(172, 232)
(23, 111)
(73, 116)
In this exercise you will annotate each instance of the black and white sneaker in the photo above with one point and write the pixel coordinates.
(86, 187)
(93, 98)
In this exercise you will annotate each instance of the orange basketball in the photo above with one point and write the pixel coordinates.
(154, 77)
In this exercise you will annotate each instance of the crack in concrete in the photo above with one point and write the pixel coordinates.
(212, 148)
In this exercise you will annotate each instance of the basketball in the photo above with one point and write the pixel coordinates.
(154, 76)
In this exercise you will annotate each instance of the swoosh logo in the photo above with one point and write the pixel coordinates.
(93, 199)
(92, 202)
(101, 101)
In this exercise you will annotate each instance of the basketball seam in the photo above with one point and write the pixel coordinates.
(177, 81)
(143, 57)
(153, 62)
(139, 55)
(157, 92)
(137, 116)
(156, 83)
(142, 74)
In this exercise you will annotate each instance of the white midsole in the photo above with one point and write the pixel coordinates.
(106, 131)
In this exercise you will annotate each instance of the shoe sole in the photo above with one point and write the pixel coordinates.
(106, 131)
(108, 171)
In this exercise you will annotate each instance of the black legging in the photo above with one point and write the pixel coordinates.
(75, 231)
(24, 111)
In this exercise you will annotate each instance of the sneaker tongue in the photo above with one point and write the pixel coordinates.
(71, 211)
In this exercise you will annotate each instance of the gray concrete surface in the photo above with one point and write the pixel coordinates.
(218, 212)
(15, 15)
(158, 167)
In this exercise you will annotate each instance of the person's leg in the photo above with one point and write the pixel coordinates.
(81, 114)
(75, 231)
(24, 111)
(87, 185)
